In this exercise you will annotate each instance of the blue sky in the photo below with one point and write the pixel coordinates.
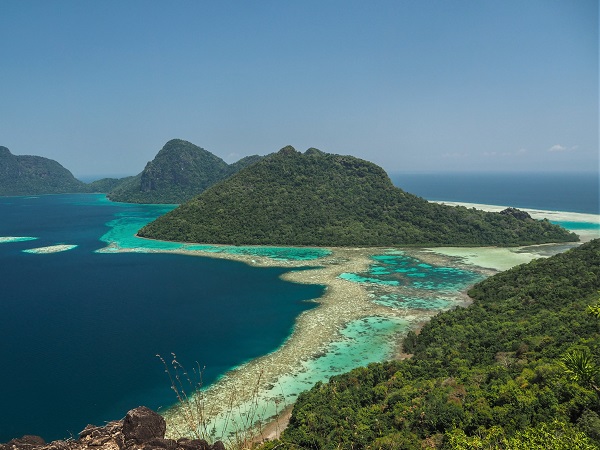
(485, 85)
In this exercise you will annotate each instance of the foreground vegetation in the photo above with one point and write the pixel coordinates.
(518, 369)
(315, 198)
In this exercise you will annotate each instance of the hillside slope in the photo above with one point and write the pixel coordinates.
(35, 175)
(315, 198)
(506, 372)
(179, 171)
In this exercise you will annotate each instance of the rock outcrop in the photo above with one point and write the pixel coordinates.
(516, 213)
(140, 429)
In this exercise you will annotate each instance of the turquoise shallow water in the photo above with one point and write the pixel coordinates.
(397, 301)
(275, 253)
(574, 226)
(395, 268)
(123, 228)
(363, 341)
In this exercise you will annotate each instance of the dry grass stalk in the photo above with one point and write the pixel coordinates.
(241, 422)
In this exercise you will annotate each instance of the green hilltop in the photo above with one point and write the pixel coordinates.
(35, 175)
(179, 171)
(517, 369)
(316, 198)
(105, 185)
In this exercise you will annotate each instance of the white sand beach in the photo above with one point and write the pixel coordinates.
(7, 239)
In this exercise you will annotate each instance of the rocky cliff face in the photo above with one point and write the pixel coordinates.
(140, 429)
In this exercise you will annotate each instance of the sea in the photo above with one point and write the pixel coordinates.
(572, 192)
(83, 325)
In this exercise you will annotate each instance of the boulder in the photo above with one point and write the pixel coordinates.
(141, 429)
(142, 424)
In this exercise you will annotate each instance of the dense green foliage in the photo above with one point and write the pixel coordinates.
(179, 171)
(105, 185)
(35, 175)
(492, 375)
(315, 198)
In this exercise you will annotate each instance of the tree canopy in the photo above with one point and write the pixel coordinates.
(491, 375)
(35, 175)
(179, 171)
(316, 198)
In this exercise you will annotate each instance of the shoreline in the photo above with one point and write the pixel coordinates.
(344, 301)
(585, 235)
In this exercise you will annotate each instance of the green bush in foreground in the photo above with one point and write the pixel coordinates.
(546, 436)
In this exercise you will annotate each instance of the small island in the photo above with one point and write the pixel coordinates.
(35, 175)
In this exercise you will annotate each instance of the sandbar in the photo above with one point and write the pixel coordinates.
(6, 239)
(51, 249)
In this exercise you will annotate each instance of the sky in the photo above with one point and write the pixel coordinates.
(411, 85)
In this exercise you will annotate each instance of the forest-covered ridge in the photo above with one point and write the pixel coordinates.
(517, 369)
(322, 199)
(180, 171)
(35, 175)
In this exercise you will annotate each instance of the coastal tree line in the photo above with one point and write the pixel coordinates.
(504, 373)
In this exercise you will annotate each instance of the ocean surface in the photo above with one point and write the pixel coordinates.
(82, 323)
(81, 329)
(579, 192)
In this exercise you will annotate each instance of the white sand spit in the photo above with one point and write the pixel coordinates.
(51, 249)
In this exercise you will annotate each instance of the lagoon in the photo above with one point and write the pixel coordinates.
(84, 326)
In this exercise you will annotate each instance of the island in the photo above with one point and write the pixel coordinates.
(321, 199)
(180, 171)
(35, 175)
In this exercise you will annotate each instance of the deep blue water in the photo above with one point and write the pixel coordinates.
(577, 192)
(80, 330)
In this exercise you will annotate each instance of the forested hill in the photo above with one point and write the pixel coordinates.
(518, 369)
(35, 175)
(316, 198)
(179, 171)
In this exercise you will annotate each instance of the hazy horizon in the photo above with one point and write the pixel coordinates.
(412, 86)
(590, 172)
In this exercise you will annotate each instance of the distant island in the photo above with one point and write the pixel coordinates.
(321, 199)
(180, 171)
(35, 175)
